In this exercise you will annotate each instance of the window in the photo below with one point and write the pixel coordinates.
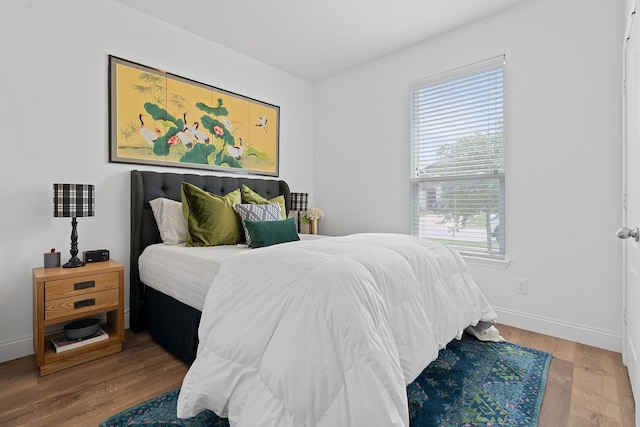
(457, 167)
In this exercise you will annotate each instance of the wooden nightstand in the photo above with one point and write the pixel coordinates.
(61, 295)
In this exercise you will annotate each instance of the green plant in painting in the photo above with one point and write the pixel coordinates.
(221, 133)
(216, 111)
(153, 86)
(198, 154)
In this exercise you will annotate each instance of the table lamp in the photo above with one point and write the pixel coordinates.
(299, 202)
(72, 201)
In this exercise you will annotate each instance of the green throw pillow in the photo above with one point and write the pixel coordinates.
(253, 198)
(267, 233)
(211, 219)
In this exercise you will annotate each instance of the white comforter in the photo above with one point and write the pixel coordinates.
(327, 332)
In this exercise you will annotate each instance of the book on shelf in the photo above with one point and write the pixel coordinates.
(61, 343)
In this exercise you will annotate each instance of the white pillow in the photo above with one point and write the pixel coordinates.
(170, 220)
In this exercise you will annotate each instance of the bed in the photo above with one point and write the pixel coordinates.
(322, 332)
(171, 323)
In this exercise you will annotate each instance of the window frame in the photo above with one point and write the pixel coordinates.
(420, 145)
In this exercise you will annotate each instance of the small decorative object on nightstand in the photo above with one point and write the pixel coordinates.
(62, 295)
(313, 215)
(313, 226)
(52, 259)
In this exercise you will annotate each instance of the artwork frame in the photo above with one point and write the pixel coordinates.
(162, 119)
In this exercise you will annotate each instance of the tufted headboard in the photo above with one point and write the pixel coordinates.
(146, 186)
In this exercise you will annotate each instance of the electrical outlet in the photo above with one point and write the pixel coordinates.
(521, 286)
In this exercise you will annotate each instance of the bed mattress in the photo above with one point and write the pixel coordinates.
(186, 273)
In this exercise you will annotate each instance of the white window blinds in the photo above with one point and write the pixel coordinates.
(457, 167)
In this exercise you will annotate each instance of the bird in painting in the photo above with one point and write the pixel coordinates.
(236, 151)
(194, 132)
(201, 136)
(146, 133)
(262, 122)
(186, 139)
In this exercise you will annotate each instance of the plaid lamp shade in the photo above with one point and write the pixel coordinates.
(73, 200)
(299, 201)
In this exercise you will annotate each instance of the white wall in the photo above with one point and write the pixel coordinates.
(53, 96)
(629, 6)
(563, 130)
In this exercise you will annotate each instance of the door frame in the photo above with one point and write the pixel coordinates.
(627, 356)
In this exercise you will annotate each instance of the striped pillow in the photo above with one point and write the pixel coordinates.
(251, 212)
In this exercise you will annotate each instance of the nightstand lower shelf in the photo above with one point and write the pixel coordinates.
(54, 361)
(76, 357)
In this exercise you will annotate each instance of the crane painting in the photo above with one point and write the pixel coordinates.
(160, 118)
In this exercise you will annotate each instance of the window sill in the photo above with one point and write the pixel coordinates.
(487, 262)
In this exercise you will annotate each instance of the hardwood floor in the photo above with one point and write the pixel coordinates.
(587, 386)
(89, 393)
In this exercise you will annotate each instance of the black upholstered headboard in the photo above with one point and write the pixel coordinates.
(146, 186)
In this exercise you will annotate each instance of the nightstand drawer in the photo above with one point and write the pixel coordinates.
(69, 306)
(80, 285)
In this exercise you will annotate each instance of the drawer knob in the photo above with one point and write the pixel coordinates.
(84, 285)
(84, 303)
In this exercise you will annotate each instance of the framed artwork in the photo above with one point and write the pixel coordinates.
(158, 118)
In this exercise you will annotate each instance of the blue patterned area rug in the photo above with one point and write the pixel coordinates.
(472, 383)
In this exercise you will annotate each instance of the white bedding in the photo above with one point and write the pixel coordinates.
(186, 273)
(327, 332)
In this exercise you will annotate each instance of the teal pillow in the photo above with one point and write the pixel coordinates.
(267, 233)
(249, 212)
(210, 219)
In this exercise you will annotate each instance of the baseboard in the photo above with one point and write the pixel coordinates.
(559, 329)
(22, 347)
(14, 349)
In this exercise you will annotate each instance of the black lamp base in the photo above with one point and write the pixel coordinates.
(73, 263)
